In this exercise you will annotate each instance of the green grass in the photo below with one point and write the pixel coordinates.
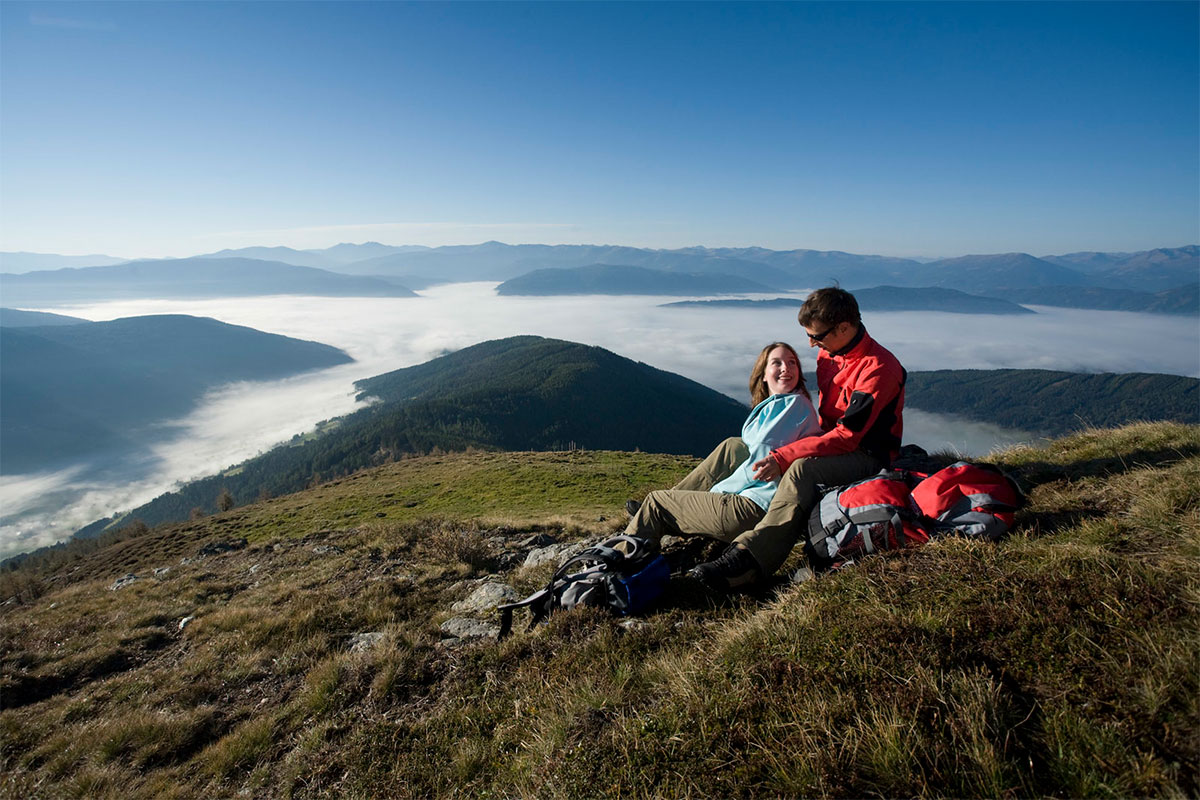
(1060, 661)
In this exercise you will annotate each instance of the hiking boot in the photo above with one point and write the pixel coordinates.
(632, 507)
(733, 569)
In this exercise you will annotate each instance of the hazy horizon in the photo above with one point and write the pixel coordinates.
(714, 346)
(923, 257)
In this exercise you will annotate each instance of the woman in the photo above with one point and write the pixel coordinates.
(722, 497)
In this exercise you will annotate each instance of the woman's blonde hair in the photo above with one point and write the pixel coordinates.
(758, 389)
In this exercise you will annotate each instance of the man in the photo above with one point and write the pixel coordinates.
(861, 388)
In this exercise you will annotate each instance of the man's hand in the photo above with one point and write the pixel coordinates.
(767, 470)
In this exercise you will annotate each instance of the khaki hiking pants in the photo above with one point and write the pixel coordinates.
(690, 509)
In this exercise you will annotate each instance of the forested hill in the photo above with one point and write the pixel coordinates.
(72, 391)
(522, 393)
(1055, 403)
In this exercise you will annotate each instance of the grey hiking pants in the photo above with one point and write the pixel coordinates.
(690, 509)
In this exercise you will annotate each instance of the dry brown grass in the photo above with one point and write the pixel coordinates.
(1058, 662)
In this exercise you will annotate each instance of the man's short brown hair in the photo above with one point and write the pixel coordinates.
(829, 306)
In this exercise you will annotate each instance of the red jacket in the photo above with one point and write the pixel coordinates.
(862, 397)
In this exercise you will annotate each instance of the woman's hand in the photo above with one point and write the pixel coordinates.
(766, 470)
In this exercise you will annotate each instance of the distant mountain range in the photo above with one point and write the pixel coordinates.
(72, 392)
(1182, 300)
(385, 268)
(609, 279)
(885, 298)
(31, 262)
(188, 278)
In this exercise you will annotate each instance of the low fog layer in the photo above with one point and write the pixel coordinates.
(714, 346)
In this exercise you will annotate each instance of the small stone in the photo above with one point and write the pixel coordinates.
(801, 575)
(183, 623)
(326, 549)
(486, 597)
(214, 548)
(538, 540)
(553, 554)
(161, 571)
(254, 569)
(463, 628)
(123, 581)
(362, 642)
(634, 625)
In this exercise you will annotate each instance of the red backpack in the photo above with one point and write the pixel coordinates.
(897, 509)
(865, 517)
(975, 500)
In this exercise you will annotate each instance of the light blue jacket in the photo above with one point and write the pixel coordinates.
(780, 419)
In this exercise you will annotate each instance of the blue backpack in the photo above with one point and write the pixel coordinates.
(625, 574)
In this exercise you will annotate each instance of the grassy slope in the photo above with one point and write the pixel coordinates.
(1058, 662)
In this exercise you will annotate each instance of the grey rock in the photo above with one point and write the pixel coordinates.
(633, 625)
(326, 549)
(485, 597)
(538, 540)
(362, 642)
(463, 628)
(801, 575)
(161, 571)
(215, 548)
(508, 561)
(183, 623)
(552, 554)
(123, 581)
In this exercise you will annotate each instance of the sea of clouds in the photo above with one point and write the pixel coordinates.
(714, 346)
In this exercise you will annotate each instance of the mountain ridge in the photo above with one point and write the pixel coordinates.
(888, 298)
(78, 391)
(1154, 270)
(194, 277)
(622, 280)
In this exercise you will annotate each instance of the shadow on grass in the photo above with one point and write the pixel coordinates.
(1045, 523)
(1039, 472)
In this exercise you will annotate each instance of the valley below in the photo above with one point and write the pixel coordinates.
(712, 346)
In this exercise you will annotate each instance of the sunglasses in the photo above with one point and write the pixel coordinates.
(816, 337)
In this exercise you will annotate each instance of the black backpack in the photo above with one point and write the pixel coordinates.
(624, 574)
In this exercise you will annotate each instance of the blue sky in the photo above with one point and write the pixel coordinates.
(146, 129)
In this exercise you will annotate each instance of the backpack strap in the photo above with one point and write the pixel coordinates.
(539, 602)
(539, 612)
